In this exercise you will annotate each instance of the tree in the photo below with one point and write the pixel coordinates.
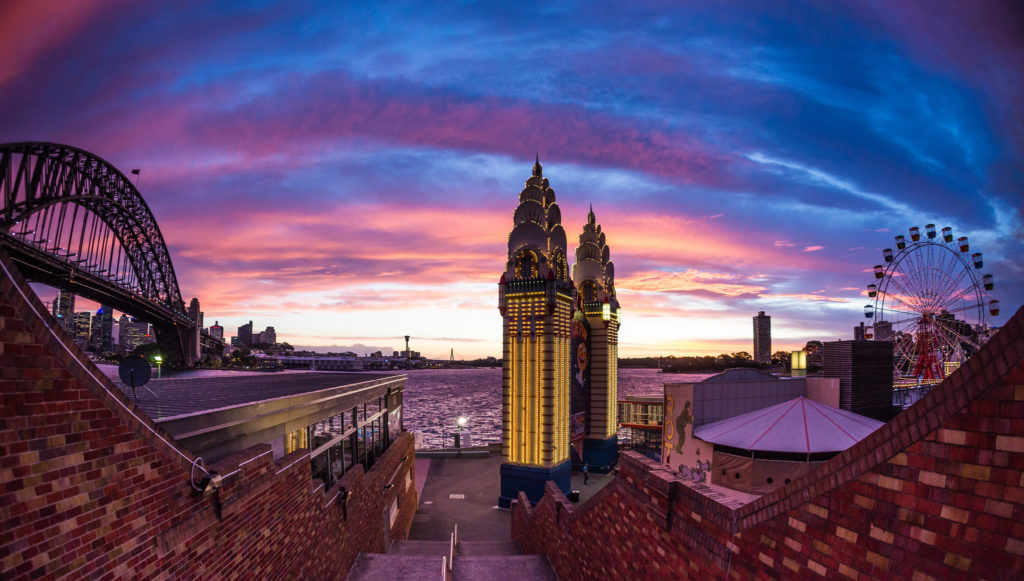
(813, 346)
(146, 350)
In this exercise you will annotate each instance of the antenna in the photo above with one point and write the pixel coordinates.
(135, 372)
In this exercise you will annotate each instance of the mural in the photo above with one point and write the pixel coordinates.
(579, 392)
(684, 419)
(697, 473)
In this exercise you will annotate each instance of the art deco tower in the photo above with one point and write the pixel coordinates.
(594, 277)
(535, 297)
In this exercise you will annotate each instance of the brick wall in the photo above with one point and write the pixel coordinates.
(91, 488)
(937, 493)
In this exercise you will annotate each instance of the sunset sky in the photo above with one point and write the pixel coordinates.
(348, 175)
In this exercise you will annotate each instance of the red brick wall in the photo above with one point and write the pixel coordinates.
(937, 493)
(91, 488)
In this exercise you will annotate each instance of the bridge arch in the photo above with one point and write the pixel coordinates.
(78, 223)
(39, 182)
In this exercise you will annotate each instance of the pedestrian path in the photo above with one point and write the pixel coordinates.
(458, 500)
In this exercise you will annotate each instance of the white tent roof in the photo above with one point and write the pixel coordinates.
(800, 425)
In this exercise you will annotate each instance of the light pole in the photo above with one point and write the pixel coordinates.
(159, 362)
(462, 421)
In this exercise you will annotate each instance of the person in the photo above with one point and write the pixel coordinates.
(586, 473)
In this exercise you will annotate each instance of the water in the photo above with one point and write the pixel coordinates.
(435, 398)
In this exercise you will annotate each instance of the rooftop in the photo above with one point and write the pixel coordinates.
(168, 398)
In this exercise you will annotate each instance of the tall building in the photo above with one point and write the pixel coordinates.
(83, 328)
(132, 333)
(593, 274)
(64, 310)
(762, 338)
(535, 297)
(216, 331)
(864, 369)
(245, 334)
(101, 335)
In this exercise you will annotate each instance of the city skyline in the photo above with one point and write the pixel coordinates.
(348, 176)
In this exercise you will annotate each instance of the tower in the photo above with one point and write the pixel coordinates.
(593, 274)
(762, 338)
(535, 298)
(101, 335)
(64, 310)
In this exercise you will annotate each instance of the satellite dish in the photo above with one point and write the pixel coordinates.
(134, 372)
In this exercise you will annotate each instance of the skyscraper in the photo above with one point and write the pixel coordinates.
(245, 334)
(762, 338)
(64, 310)
(535, 296)
(83, 328)
(132, 333)
(593, 274)
(101, 338)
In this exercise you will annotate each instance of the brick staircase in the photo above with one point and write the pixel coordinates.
(452, 560)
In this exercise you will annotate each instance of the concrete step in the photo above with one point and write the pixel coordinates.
(474, 548)
(503, 568)
(377, 567)
(404, 547)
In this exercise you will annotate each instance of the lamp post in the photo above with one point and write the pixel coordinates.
(159, 362)
(462, 421)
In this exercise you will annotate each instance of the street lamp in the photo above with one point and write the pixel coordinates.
(159, 361)
(462, 421)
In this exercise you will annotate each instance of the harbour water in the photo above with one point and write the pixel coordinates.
(435, 398)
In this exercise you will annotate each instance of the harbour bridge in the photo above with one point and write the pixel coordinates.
(75, 222)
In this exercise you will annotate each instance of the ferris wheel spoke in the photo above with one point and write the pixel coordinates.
(913, 315)
(909, 318)
(907, 305)
(909, 292)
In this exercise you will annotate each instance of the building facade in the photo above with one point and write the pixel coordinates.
(216, 331)
(535, 298)
(593, 274)
(132, 333)
(101, 335)
(64, 310)
(83, 328)
(244, 335)
(762, 338)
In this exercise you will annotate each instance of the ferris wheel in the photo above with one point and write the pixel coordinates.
(931, 300)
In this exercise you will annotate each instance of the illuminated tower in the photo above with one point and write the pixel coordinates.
(594, 276)
(535, 298)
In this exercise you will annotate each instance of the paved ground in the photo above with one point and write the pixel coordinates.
(476, 511)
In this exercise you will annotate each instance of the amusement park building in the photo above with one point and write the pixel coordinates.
(559, 348)
(936, 493)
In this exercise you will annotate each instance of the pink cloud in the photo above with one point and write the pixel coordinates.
(31, 28)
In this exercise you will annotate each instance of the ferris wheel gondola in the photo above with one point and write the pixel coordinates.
(931, 300)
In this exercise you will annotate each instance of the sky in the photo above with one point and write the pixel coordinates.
(347, 172)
